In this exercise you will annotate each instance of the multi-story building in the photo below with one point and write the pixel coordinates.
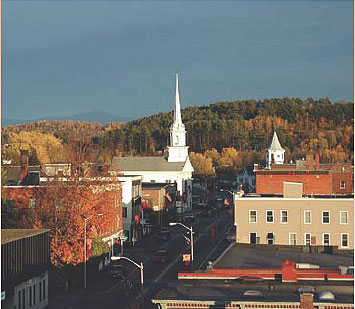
(25, 259)
(132, 213)
(317, 178)
(295, 220)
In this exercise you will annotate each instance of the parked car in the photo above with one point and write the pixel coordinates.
(161, 256)
(253, 294)
(249, 279)
(195, 233)
(118, 271)
(326, 296)
(190, 218)
(162, 235)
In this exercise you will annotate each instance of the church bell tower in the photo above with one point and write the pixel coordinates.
(177, 151)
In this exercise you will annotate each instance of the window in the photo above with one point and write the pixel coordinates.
(23, 298)
(34, 294)
(307, 239)
(252, 216)
(307, 217)
(253, 238)
(284, 216)
(44, 289)
(344, 240)
(326, 239)
(342, 184)
(124, 212)
(32, 203)
(269, 216)
(326, 217)
(40, 291)
(270, 238)
(30, 295)
(293, 239)
(343, 217)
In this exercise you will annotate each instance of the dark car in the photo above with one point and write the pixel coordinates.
(118, 271)
(189, 218)
(161, 256)
(248, 279)
(162, 235)
(195, 233)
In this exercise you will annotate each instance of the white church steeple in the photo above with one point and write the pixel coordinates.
(178, 151)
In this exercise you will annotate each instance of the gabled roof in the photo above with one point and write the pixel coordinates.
(275, 144)
(136, 164)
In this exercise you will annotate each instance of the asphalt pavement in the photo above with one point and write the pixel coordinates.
(107, 292)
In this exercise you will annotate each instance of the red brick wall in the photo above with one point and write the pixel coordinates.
(349, 182)
(152, 194)
(312, 183)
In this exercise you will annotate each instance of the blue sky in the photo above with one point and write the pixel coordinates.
(67, 57)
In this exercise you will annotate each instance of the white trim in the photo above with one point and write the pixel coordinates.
(305, 238)
(256, 216)
(323, 239)
(323, 211)
(347, 217)
(289, 238)
(304, 216)
(273, 216)
(341, 240)
(281, 216)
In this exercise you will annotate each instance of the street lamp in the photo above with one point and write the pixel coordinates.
(86, 219)
(115, 258)
(233, 194)
(191, 240)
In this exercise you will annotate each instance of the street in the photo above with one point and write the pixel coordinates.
(108, 293)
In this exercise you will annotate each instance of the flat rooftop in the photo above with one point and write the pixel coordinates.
(247, 256)
(229, 291)
(8, 235)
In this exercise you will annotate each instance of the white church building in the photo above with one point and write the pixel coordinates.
(173, 168)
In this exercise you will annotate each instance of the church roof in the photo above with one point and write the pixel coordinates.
(275, 144)
(159, 164)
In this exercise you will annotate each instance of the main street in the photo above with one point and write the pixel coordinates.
(107, 293)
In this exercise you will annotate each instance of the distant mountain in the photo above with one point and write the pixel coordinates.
(93, 116)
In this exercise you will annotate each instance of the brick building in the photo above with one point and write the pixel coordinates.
(35, 191)
(317, 178)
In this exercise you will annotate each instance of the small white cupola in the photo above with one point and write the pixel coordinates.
(275, 154)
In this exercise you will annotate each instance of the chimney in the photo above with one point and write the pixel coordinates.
(306, 301)
(316, 162)
(24, 163)
(309, 162)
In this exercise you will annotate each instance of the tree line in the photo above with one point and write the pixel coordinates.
(303, 126)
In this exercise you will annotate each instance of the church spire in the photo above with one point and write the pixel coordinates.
(177, 112)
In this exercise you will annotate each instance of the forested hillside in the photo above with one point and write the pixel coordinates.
(245, 127)
(302, 126)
